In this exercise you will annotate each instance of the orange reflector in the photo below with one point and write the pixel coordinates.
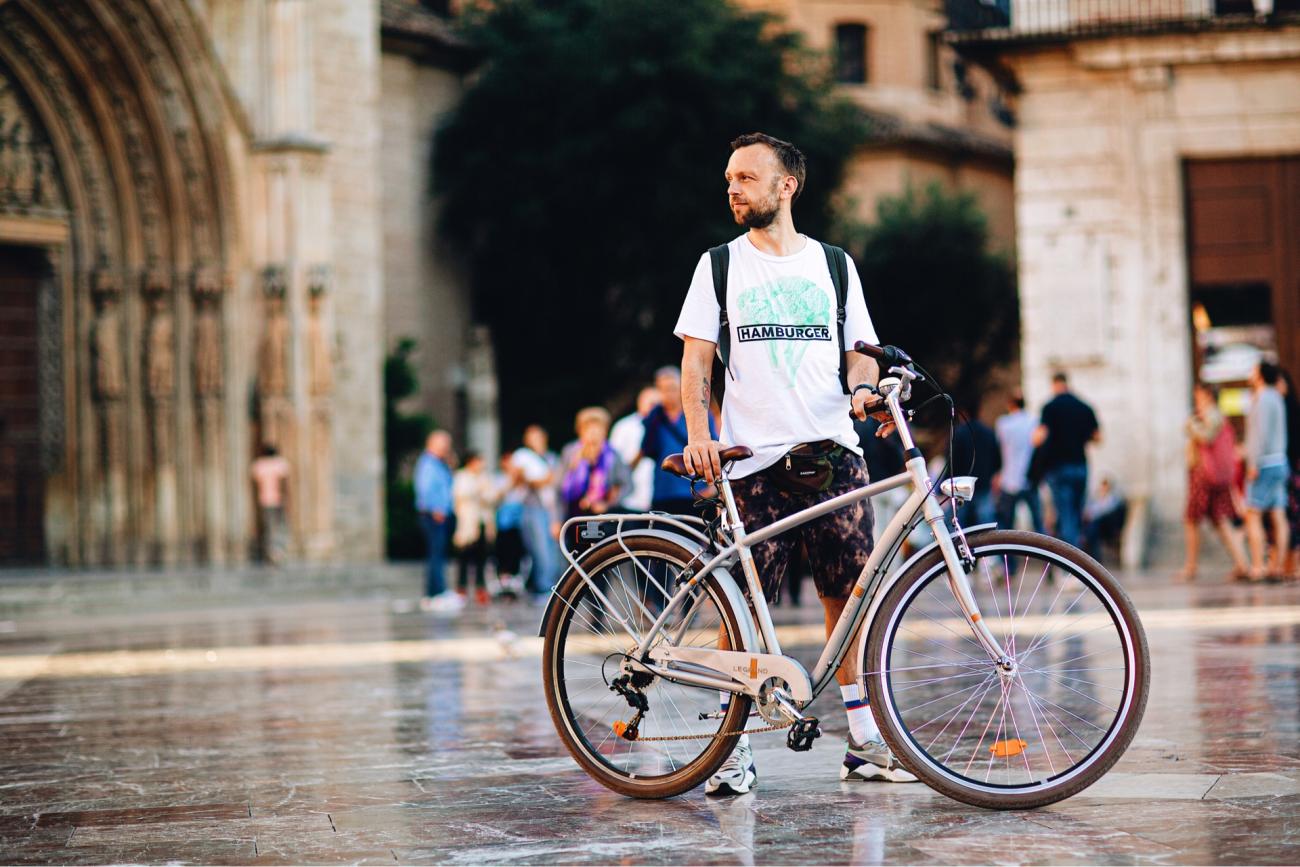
(975, 618)
(1004, 749)
(619, 727)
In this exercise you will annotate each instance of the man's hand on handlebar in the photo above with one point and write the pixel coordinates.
(702, 459)
(867, 403)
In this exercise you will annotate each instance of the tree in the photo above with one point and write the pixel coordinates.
(935, 288)
(404, 436)
(581, 176)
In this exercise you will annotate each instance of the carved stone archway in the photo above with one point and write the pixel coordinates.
(114, 158)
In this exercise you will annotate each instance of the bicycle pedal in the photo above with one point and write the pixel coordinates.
(802, 734)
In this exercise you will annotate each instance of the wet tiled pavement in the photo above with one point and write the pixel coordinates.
(360, 731)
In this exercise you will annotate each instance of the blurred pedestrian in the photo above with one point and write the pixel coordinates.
(1286, 385)
(593, 476)
(884, 458)
(511, 493)
(270, 474)
(433, 503)
(1015, 432)
(975, 452)
(1065, 428)
(626, 436)
(1211, 464)
(1267, 470)
(1103, 519)
(665, 434)
(537, 467)
(474, 495)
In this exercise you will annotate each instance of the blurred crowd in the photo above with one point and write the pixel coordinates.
(494, 531)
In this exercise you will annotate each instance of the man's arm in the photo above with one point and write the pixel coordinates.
(701, 452)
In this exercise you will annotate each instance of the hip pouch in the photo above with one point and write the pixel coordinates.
(808, 468)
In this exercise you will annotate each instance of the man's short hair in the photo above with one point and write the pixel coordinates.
(1269, 372)
(1017, 400)
(1060, 377)
(590, 414)
(789, 156)
(669, 370)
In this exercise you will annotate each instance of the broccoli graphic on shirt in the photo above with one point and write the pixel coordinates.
(786, 314)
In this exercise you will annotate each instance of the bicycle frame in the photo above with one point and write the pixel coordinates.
(922, 504)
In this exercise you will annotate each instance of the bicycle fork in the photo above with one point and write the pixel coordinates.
(960, 561)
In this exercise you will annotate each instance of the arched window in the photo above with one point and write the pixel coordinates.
(851, 53)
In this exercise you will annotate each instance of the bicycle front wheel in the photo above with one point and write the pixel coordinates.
(1029, 737)
(683, 736)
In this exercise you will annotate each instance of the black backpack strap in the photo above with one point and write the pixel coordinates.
(720, 257)
(838, 263)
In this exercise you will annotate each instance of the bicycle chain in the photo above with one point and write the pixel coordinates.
(715, 735)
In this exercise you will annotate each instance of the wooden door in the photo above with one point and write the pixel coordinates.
(1243, 232)
(22, 484)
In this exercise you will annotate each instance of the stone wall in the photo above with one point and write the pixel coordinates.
(1104, 128)
(424, 292)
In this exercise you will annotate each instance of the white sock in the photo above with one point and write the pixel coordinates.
(724, 700)
(862, 725)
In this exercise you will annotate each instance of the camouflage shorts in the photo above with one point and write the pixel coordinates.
(838, 544)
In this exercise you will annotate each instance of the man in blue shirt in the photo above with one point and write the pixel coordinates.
(665, 434)
(433, 505)
(1068, 425)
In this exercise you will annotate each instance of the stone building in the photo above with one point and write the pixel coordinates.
(1157, 196)
(934, 116)
(209, 212)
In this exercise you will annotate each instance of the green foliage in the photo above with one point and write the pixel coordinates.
(935, 288)
(581, 175)
(404, 436)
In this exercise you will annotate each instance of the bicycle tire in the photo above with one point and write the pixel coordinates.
(571, 591)
(1067, 783)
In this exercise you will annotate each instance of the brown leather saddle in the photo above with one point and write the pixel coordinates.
(676, 464)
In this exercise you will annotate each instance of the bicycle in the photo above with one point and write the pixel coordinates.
(1005, 669)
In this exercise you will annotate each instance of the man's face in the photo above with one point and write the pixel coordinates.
(439, 444)
(754, 186)
(647, 400)
(1255, 379)
(535, 439)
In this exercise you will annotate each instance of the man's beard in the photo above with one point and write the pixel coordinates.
(759, 215)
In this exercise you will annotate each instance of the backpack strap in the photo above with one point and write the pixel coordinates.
(720, 257)
(837, 262)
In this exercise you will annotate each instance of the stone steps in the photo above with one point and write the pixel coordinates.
(27, 594)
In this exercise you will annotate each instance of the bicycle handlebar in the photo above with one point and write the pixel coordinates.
(891, 356)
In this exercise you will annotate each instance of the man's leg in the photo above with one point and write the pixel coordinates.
(433, 563)
(1281, 536)
(1035, 502)
(1232, 542)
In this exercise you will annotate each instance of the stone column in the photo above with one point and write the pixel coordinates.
(160, 392)
(109, 388)
(287, 100)
(317, 465)
(209, 385)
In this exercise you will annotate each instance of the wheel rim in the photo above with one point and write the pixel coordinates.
(1039, 728)
(588, 648)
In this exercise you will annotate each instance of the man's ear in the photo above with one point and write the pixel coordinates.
(789, 185)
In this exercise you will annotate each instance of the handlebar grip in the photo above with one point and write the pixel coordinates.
(891, 356)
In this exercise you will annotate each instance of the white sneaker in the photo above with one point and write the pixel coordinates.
(444, 603)
(872, 761)
(737, 775)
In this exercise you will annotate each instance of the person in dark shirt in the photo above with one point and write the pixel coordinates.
(1066, 427)
(665, 434)
(975, 452)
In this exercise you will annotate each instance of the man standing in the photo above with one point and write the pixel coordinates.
(537, 466)
(1067, 425)
(665, 434)
(785, 397)
(1266, 468)
(433, 503)
(271, 476)
(975, 452)
(626, 436)
(1015, 432)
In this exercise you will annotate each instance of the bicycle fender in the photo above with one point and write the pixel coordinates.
(735, 596)
(893, 579)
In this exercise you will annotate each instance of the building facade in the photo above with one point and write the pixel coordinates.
(1157, 204)
(934, 117)
(194, 250)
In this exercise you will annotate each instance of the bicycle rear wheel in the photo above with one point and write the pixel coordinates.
(1035, 736)
(675, 749)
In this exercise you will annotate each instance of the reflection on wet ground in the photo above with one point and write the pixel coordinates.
(349, 732)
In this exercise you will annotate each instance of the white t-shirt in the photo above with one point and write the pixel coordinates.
(784, 386)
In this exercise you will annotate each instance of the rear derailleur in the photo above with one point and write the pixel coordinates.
(629, 686)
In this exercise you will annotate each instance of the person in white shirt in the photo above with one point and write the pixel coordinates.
(785, 397)
(1015, 432)
(625, 436)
